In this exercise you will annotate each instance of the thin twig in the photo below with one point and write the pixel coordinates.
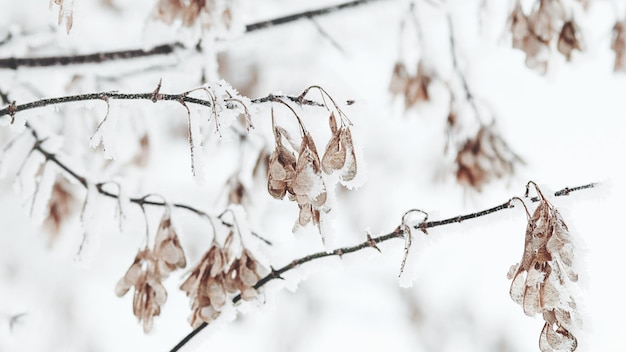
(326, 35)
(140, 201)
(455, 63)
(306, 14)
(371, 242)
(165, 49)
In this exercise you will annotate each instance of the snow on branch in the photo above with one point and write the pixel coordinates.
(399, 233)
(155, 96)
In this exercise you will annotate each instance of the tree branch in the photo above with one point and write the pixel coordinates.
(371, 242)
(12, 109)
(165, 49)
(455, 64)
(141, 201)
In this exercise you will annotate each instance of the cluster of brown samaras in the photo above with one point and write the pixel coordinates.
(541, 282)
(480, 158)
(218, 274)
(414, 88)
(301, 177)
(536, 32)
(209, 13)
(483, 158)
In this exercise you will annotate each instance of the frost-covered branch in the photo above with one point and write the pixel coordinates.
(141, 201)
(165, 49)
(371, 242)
(155, 96)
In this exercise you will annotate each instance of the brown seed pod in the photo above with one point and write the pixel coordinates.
(399, 79)
(569, 40)
(335, 154)
(308, 185)
(281, 170)
(167, 249)
(618, 45)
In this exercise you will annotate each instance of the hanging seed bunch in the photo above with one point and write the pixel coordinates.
(309, 190)
(149, 269)
(535, 33)
(302, 177)
(217, 276)
(237, 193)
(618, 45)
(483, 158)
(413, 88)
(210, 14)
(541, 280)
(61, 206)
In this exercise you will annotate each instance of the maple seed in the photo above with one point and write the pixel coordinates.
(416, 89)
(149, 294)
(568, 40)
(335, 155)
(339, 154)
(167, 249)
(281, 170)
(399, 79)
(308, 185)
(618, 45)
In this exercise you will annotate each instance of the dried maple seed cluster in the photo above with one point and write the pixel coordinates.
(541, 280)
(215, 277)
(414, 88)
(149, 269)
(483, 158)
(302, 178)
(535, 33)
(618, 45)
(210, 13)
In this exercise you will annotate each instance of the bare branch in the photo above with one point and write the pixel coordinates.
(141, 201)
(13, 108)
(371, 242)
(165, 49)
(16, 62)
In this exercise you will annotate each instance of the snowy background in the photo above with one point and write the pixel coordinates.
(568, 126)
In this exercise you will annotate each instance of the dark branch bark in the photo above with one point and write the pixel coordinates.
(307, 14)
(13, 108)
(371, 242)
(165, 49)
(16, 62)
(141, 201)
